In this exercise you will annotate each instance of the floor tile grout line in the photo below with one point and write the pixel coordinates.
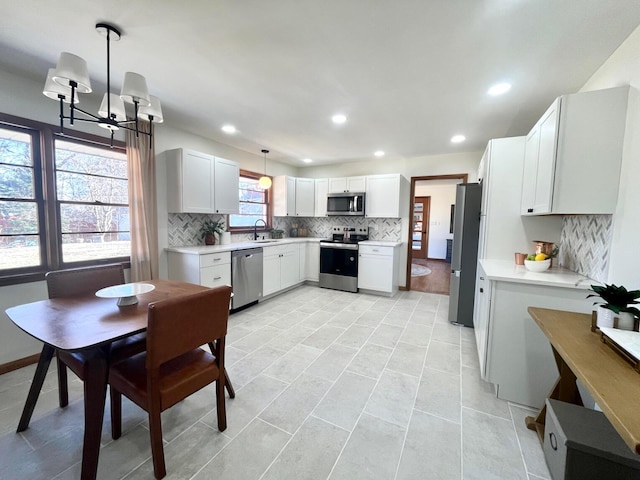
(515, 432)
(362, 412)
(413, 406)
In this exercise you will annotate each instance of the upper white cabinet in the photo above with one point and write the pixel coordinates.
(347, 184)
(322, 188)
(293, 196)
(201, 183)
(573, 155)
(387, 196)
(305, 197)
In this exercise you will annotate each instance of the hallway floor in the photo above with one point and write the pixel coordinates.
(329, 385)
(437, 281)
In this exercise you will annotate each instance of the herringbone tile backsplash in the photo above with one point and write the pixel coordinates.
(183, 228)
(585, 244)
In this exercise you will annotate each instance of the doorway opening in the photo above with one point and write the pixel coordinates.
(430, 232)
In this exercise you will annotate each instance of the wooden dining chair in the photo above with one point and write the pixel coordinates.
(88, 280)
(174, 366)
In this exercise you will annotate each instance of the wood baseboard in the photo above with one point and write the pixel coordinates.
(16, 364)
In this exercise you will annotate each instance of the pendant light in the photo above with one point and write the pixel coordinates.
(265, 182)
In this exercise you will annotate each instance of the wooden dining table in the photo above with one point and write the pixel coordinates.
(89, 324)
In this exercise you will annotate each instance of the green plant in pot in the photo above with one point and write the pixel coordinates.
(209, 229)
(616, 301)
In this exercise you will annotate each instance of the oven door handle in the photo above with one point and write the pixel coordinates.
(340, 246)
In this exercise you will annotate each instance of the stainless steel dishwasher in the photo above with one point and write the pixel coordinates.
(246, 277)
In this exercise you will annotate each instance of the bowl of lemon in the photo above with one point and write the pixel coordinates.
(537, 263)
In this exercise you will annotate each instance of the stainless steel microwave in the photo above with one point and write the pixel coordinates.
(345, 203)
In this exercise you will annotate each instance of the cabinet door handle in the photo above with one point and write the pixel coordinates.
(217, 278)
(482, 290)
(552, 441)
(217, 259)
(529, 210)
(481, 278)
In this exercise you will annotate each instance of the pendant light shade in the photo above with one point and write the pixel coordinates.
(118, 112)
(134, 89)
(54, 90)
(72, 68)
(265, 182)
(152, 111)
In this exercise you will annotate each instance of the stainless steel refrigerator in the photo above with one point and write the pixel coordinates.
(464, 255)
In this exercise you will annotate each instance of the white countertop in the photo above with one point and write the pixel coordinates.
(508, 271)
(204, 249)
(380, 243)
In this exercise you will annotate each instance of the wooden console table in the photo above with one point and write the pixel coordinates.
(580, 353)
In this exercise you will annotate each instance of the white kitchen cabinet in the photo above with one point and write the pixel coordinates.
(226, 186)
(321, 190)
(386, 196)
(312, 261)
(293, 196)
(209, 270)
(347, 184)
(201, 183)
(573, 155)
(378, 268)
(281, 267)
(305, 197)
(481, 313)
(514, 354)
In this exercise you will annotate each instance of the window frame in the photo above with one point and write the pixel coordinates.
(50, 231)
(269, 203)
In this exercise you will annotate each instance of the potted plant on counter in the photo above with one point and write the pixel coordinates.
(209, 229)
(616, 301)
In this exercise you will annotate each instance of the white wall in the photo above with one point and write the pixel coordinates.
(442, 197)
(623, 68)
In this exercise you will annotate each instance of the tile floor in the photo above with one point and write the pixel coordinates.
(330, 385)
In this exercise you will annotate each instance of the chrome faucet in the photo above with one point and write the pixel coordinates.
(255, 228)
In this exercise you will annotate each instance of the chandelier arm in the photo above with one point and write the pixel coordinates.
(89, 114)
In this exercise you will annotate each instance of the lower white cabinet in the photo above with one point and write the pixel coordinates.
(518, 356)
(310, 261)
(209, 270)
(378, 268)
(280, 268)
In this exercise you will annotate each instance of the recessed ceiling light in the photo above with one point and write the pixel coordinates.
(307, 160)
(499, 89)
(228, 129)
(339, 118)
(458, 139)
(379, 153)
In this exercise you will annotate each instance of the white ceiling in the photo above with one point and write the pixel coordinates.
(409, 74)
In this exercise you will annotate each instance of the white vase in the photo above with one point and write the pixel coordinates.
(625, 321)
(605, 317)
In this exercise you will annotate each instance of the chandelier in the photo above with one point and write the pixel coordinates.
(265, 182)
(71, 77)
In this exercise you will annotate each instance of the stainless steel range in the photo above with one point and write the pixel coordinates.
(339, 258)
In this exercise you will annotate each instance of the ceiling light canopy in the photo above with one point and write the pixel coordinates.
(71, 77)
(499, 89)
(379, 153)
(228, 129)
(307, 160)
(458, 139)
(339, 118)
(265, 182)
